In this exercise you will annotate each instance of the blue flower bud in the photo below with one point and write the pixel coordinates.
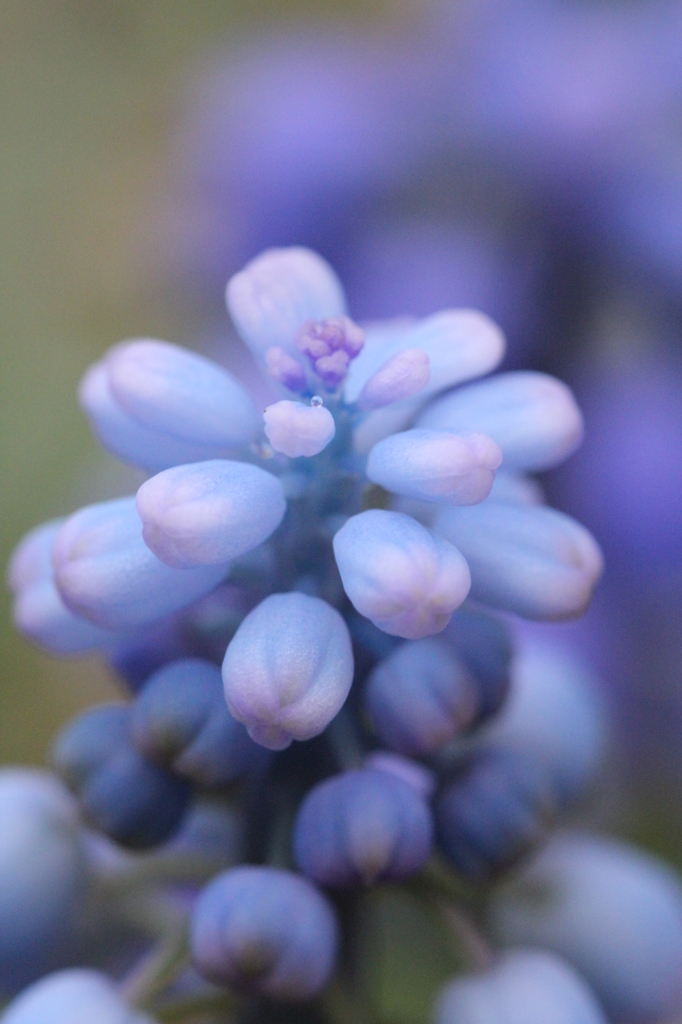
(531, 560)
(264, 931)
(209, 513)
(362, 827)
(484, 644)
(125, 796)
(105, 571)
(420, 697)
(526, 986)
(42, 872)
(459, 343)
(533, 417)
(549, 689)
(417, 776)
(212, 830)
(127, 438)
(614, 912)
(180, 721)
(277, 292)
(76, 996)
(288, 669)
(499, 805)
(434, 466)
(403, 375)
(398, 574)
(181, 394)
(295, 429)
(38, 610)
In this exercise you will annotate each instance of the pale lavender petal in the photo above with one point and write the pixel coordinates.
(295, 429)
(288, 669)
(434, 466)
(398, 574)
(277, 292)
(531, 560)
(208, 513)
(532, 416)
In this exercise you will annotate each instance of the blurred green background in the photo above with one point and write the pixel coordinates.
(88, 90)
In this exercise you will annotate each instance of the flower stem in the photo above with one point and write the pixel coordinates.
(157, 969)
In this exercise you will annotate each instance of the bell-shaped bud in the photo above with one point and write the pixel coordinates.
(420, 697)
(398, 574)
(42, 872)
(533, 417)
(362, 827)
(460, 344)
(433, 466)
(133, 801)
(288, 669)
(105, 572)
(277, 292)
(496, 807)
(180, 393)
(38, 610)
(295, 429)
(75, 996)
(260, 930)
(614, 911)
(524, 985)
(550, 687)
(181, 722)
(531, 560)
(403, 375)
(208, 513)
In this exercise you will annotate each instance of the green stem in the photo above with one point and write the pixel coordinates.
(192, 1006)
(161, 869)
(341, 1007)
(157, 969)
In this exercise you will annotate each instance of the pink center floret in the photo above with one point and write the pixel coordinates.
(330, 345)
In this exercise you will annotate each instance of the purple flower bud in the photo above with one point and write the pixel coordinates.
(549, 688)
(180, 393)
(531, 560)
(533, 417)
(460, 344)
(419, 778)
(498, 805)
(433, 466)
(105, 571)
(330, 345)
(208, 513)
(42, 872)
(38, 610)
(127, 438)
(402, 376)
(277, 292)
(295, 429)
(361, 827)
(524, 985)
(288, 669)
(265, 931)
(420, 697)
(284, 368)
(398, 574)
(615, 912)
(76, 996)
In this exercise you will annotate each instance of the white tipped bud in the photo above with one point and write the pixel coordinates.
(295, 429)
(435, 466)
(402, 376)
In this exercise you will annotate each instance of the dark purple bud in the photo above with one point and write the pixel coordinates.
(361, 827)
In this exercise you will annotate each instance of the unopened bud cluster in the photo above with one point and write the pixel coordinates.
(313, 708)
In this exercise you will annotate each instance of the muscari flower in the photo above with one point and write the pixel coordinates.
(331, 489)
